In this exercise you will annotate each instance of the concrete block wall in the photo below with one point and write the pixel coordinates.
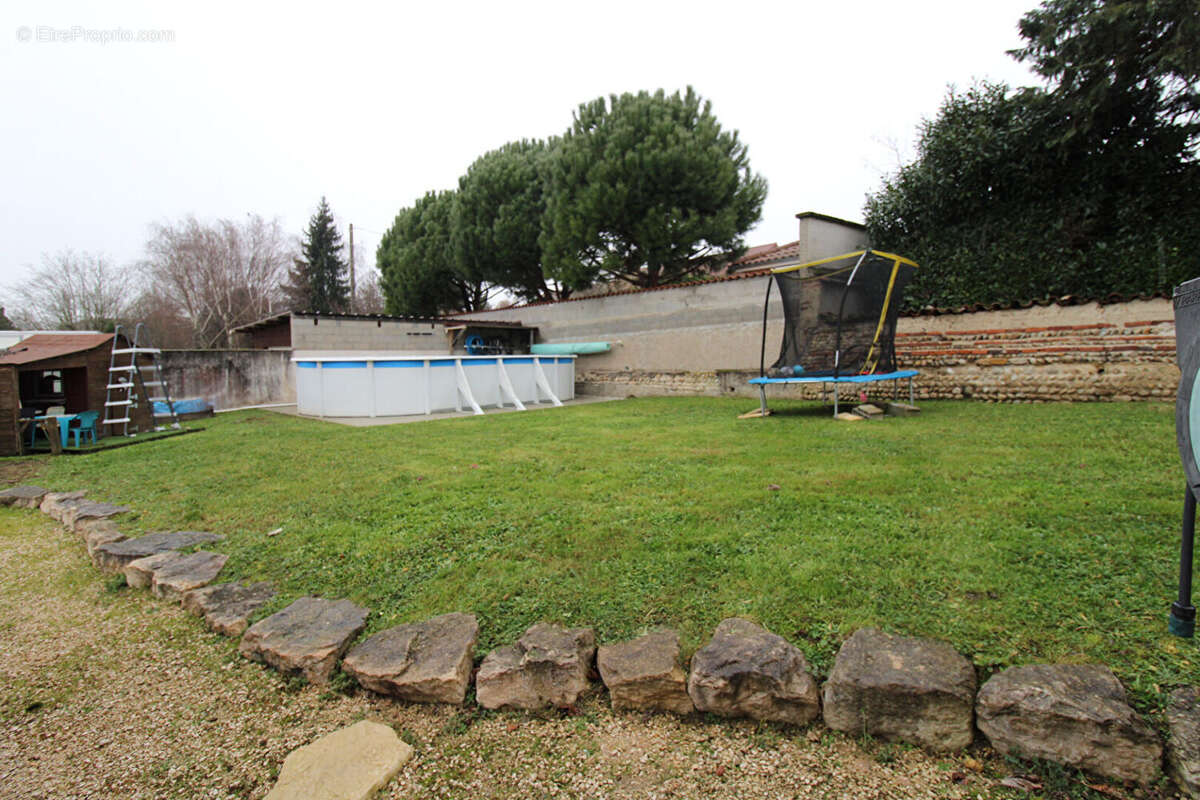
(700, 327)
(231, 378)
(311, 333)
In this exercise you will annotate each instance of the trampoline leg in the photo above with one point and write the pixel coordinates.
(762, 400)
(1182, 621)
(910, 393)
(835, 398)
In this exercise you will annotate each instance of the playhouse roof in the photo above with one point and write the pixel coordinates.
(42, 346)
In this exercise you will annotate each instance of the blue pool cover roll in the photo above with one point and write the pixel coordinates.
(193, 405)
(570, 348)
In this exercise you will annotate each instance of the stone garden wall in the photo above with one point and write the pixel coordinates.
(1126, 360)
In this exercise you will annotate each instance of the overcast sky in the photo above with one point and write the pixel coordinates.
(262, 107)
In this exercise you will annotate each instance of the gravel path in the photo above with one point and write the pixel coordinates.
(111, 694)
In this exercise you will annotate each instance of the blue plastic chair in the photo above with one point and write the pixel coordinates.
(85, 425)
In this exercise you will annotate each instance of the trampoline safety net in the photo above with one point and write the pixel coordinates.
(840, 315)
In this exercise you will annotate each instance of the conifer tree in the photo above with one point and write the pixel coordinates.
(318, 280)
(647, 188)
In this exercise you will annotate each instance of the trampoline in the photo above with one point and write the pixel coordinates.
(839, 323)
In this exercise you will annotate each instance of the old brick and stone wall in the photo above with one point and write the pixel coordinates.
(1128, 360)
(1091, 362)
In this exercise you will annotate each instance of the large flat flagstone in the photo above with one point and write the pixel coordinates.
(81, 510)
(113, 556)
(55, 503)
(227, 607)
(349, 764)
(423, 662)
(22, 496)
(306, 638)
(189, 572)
(139, 573)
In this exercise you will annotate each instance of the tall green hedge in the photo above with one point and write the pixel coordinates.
(997, 208)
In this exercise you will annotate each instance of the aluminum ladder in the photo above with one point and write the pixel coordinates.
(127, 385)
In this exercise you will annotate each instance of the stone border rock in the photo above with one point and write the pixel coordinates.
(423, 662)
(23, 496)
(747, 671)
(1074, 714)
(903, 689)
(911, 690)
(139, 573)
(227, 607)
(113, 557)
(307, 638)
(644, 674)
(547, 667)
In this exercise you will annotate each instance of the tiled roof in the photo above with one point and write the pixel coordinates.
(1065, 300)
(756, 251)
(42, 346)
(775, 253)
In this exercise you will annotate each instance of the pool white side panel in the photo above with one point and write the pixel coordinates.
(399, 384)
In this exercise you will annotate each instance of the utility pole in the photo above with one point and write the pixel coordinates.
(352, 288)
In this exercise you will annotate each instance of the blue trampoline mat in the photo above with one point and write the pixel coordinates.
(886, 376)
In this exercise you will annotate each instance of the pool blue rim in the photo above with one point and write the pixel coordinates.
(434, 361)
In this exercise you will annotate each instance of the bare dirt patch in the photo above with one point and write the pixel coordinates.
(15, 471)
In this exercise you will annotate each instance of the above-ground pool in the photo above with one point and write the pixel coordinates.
(392, 384)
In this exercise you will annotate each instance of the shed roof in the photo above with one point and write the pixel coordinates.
(285, 316)
(43, 346)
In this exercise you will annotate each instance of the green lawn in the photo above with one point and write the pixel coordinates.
(1019, 533)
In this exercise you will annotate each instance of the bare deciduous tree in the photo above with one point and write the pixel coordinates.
(368, 297)
(166, 323)
(73, 291)
(218, 275)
